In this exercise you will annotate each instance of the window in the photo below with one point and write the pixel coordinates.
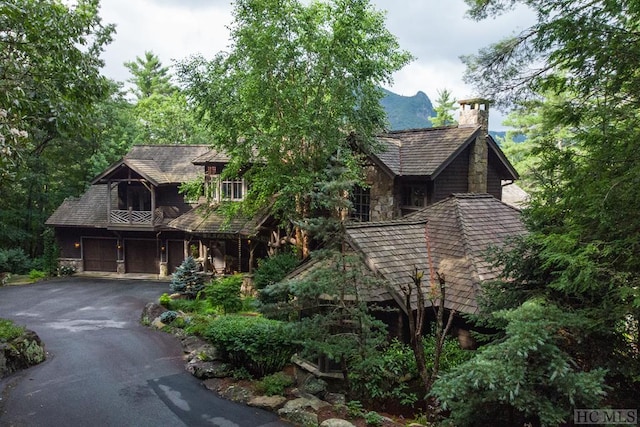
(361, 201)
(228, 189)
(413, 196)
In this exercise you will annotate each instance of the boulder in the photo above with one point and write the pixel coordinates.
(151, 311)
(336, 422)
(21, 352)
(270, 403)
(205, 370)
(236, 393)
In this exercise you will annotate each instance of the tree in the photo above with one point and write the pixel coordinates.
(581, 255)
(149, 76)
(444, 106)
(162, 112)
(49, 87)
(299, 84)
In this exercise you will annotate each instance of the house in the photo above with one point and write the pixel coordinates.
(133, 219)
(418, 167)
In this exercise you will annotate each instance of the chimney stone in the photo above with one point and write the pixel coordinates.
(474, 113)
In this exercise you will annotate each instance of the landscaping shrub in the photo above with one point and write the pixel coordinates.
(165, 300)
(9, 330)
(66, 270)
(274, 269)
(262, 346)
(14, 261)
(37, 275)
(274, 384)
(168, 316)
(187, 280)
(225, 293)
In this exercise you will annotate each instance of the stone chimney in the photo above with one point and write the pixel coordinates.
(474, 113)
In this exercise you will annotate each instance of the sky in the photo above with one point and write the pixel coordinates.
(435, 32)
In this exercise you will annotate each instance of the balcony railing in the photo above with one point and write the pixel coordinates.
(131, 217)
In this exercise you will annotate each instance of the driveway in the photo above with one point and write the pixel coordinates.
(103, 367)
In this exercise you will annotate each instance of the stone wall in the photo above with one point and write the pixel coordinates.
(384, 205)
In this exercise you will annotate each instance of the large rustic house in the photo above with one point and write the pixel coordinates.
(133, 219)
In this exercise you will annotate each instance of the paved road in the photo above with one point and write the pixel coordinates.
(103, 367)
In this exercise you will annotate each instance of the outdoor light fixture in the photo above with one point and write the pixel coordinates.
(76, 245)
(162, 248)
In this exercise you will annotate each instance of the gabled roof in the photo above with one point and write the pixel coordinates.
(212, 156)
(459, 230)
(159, 164)
(428, 151)
(88, 210)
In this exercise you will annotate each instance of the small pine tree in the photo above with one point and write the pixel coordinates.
(187, 280)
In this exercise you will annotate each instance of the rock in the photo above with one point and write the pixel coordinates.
(270, 403)
(335, 398)
(306, 402)
(21, 352)
(315, 386)
(206, 370)
(151, 311)
(299, 417)
(236, 393)
(156, 323)
(336, 422)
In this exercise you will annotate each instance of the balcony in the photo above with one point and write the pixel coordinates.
(130, 218)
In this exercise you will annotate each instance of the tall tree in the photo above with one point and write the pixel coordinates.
(581, 257)
(445, 104)
(149, 76)
(50, 83)
(299, 84)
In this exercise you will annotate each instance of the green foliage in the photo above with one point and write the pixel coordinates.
(35, 275)
(66, 270)
(275, 384)
(273, 269)
(149, 76)
(9, 330)
(49, 88)
(168, 316)
(445, 104)
(51, 252)
(260, 345)
(14, 261)
(297, 81)
(224, 292)
(165, 300)
(373, 418)
(355, 409)
(199, 324)
(187, 279)
(527, 376)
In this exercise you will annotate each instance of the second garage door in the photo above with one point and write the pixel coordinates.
(100, 254)
(141, 256)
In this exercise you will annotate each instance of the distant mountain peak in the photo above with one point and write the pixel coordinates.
(407, 112)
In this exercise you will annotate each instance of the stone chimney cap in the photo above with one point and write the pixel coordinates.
(472, 101)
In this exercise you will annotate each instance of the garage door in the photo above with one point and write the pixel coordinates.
(141, 256)
(100, 254)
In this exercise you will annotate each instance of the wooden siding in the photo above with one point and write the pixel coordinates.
(494, 183)
(454, 179)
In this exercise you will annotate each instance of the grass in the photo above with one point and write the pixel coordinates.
(9, 330)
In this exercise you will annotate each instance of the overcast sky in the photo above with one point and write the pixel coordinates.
(436, 32)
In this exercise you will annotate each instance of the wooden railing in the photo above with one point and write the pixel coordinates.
(131, 217)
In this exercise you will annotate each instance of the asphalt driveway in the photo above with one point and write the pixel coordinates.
(103, 367)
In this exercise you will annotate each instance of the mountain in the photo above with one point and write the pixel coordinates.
(407, 112)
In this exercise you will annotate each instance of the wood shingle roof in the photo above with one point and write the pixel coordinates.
(459, 230)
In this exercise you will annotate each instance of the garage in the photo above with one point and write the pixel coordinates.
(175, 252)
(141, 256)
(100, 254)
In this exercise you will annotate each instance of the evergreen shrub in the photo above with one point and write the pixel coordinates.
(225, 293)
(262, 346)
(187, 279)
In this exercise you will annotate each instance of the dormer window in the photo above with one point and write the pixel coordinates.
(218, 190)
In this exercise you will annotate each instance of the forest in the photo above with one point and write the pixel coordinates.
(304, 80)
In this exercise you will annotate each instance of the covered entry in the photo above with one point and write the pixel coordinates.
(100, 254)
(141, 256)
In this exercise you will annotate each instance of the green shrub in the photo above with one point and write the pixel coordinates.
(260, 345)
(225, 293)
(274, 269)
(373, 418)
(14, 261)
(165, 300)
(168, 316)
(37, 275)
(9, 330)
(66, 270)
(198, 324)
(187, 280)
(274, 384)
